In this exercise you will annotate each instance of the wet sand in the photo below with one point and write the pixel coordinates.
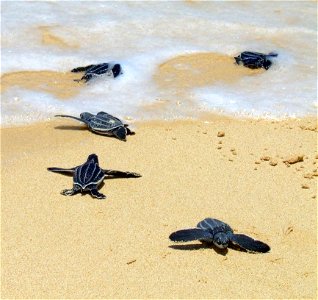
(59, 84)
(55, 246)
(49, 38)
(200, 69)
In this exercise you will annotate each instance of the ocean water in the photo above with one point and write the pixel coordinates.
(143, 35)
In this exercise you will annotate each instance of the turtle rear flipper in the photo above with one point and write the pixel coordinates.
(187, 235)
(121, 174)
(70, 192)
(249, 244)
(61, 170)
(96, 194)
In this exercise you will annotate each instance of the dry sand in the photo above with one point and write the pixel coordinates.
(80, 247)
(55, 246)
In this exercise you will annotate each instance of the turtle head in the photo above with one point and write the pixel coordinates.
(116, 70)
(267, 63)
(221, 240)
(86, 116)
(93, 157)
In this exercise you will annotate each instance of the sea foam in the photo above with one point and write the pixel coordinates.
(143, 35)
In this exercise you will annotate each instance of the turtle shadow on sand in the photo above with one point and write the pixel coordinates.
(83, 128)
(70, 127)
(192, 247)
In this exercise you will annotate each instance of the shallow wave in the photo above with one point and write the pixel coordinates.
(61, 36)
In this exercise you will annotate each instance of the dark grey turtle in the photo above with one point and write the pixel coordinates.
(220, 234)
(255, 60)
(88, 176)
(91, 71)
(103, 123)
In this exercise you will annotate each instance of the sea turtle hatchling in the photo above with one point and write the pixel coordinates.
(88, 176)
(220, 234)
(103, 123)
(91, 71)
(255, 60)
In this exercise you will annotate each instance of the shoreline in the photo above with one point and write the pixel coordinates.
(95, 248)
(202, 116)
(177, 83)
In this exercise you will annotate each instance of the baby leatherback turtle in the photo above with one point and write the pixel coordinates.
(103, 123)
(255, 60)
(220, 234)
(88, 176)
(91, 71)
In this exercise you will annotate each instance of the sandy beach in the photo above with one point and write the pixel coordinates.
(257, 175)
(55, 246)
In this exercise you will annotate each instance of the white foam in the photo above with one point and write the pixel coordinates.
(142, 35)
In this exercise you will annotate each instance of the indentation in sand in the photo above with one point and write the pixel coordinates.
(61, 85)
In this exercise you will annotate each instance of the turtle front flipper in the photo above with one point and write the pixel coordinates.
(70, 192)
(85, 78)
(61, 170)
(187, 235)
(120, 133)
(248, 243)
(121, 174)
(96, 194)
